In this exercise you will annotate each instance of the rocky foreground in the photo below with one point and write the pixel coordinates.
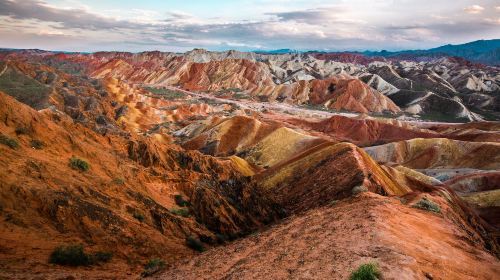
(240, 165)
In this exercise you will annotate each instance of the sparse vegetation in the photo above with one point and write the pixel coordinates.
(10, 142)
(119, 181)
(194, 244)
(368, 271)
(22, 130)
(359, 189)
(180, 212)
(426, 204)
(79, 164)
(74, 255)
(152, 267)
(179, 200)
(241, 96)
(166, 93)
(334, 202)
(37, 144)
(102, 257)
(139, 216)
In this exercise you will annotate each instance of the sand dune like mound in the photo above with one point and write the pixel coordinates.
(440, 152)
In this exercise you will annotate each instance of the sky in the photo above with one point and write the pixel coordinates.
(167, 25)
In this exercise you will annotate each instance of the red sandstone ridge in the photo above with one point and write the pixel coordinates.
(331, 241)
(363, 131)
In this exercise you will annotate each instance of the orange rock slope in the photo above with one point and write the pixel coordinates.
(331, 241)
(48, 203)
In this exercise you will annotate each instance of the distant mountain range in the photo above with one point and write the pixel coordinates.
(481, 51)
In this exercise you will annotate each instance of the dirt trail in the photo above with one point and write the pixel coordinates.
(258, 106)
(292, 109)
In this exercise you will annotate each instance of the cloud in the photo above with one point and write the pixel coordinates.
(350, 25)
(68, 18)
(474, 9)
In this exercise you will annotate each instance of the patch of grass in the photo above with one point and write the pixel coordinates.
(428, 205)
(179, 200)
(334, 202)
(25, 89)
(79, 164)
(37, 144)
(195, 244)
(180, 212)
(139, 216)
(10, 142)
(153, 266)
(368, 271)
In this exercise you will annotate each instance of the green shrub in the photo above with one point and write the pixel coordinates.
(194, 244)
(37, 144)
(12, 143)
(102, 257)
(139, 216)
(179, 200)
(428, 205)
(72, 255)
(22, 130)
(153, 266)
(368, 271)
(79, 164)
(119, 181)
(180, 212)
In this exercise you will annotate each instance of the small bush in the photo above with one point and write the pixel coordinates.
(72, 255)
(220, 238)
(359, 189)
(79, 164)
(153, 266)
(22, 130)
(180, 212)
(428, 205)
(10, 142)
(119, 181)
(195, 244)
(37, 144)
(101, 257)
(139, 216)
(179, 200)
(368, 271)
